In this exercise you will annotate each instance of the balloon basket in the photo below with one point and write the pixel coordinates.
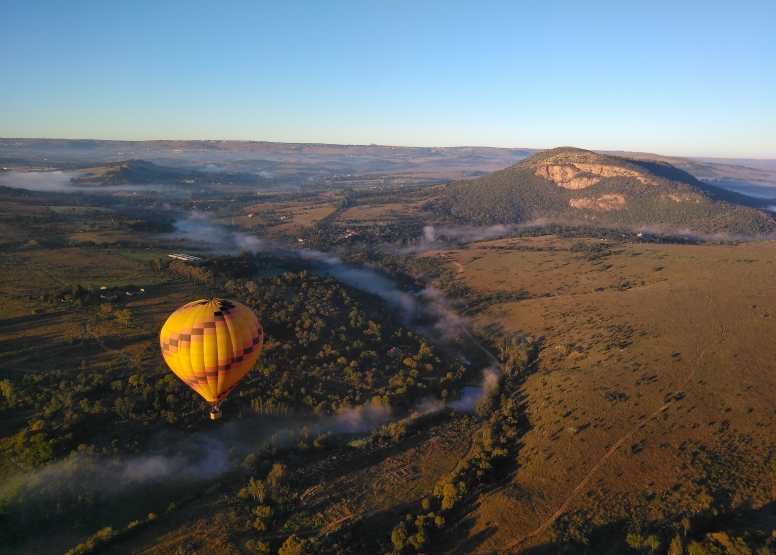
(215, 413)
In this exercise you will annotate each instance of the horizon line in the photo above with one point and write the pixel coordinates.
(598, 150)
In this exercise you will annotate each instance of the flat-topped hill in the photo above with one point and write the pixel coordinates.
(134, 172)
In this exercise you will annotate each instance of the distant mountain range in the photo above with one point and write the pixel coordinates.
(302, 163)
(292, 160)
(572, 185)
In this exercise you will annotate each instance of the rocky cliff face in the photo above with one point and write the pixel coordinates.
(581, 175)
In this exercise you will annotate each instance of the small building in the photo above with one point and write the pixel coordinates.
(185, 257)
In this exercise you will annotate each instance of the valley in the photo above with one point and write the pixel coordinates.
(555, 357)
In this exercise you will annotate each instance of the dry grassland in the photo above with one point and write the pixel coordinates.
(290, 217)
(381, 212)
(38, 337)
(70, 224)
(649, 325)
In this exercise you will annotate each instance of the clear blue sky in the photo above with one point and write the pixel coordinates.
(688, 78)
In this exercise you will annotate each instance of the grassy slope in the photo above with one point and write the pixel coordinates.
(620, 336)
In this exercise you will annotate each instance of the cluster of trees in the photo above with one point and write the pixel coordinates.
(12, 192)
(593, 251)
(216, 270)
(493, 445)
(331, 347)
(140, 225)
(75, 292)
(269, 495)
(328, 347)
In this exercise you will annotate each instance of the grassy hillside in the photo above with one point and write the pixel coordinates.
(649, 415)
(574, 185)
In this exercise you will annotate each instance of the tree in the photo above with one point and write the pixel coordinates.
(34, 451)
(124, 317)
(399, 536)
(653, 542)
(7, 390)
(634, 540)
(257, 489)
(276, 477)
(676, 547)
(294, 546)
(696, 548)
(257, 547)
(418, 541)
(451, 495)
(263, 515)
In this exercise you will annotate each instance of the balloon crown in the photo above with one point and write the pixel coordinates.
(222, 303)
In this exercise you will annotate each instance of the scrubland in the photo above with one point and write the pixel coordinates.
(630, 379)
(665, 347)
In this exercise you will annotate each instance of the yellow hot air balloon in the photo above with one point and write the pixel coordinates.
(211, 344)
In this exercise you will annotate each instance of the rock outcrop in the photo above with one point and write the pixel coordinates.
(601, 204)
(581, 175)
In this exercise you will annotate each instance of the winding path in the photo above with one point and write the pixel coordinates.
(103, 345)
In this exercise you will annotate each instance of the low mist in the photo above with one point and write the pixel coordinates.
(198, 227)
(468, 234)
(49, 182)
(59, 182)
(178, 459)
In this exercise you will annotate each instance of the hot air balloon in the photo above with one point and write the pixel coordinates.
(211, 344)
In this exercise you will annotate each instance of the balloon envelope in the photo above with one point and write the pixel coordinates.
(211, 344)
